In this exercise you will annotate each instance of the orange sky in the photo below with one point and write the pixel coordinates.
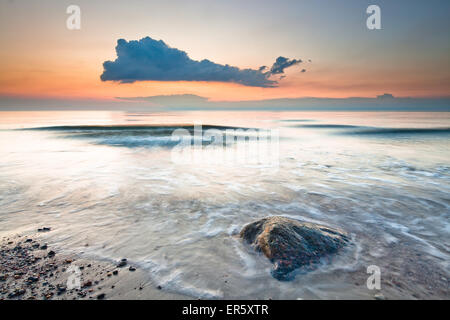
(42, 59)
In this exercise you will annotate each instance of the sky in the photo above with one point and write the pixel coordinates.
(216, 50)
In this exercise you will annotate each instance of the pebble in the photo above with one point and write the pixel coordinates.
(379, 296)
(122, 263)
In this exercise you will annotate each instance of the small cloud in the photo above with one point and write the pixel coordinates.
(282, 63)
(149, 59)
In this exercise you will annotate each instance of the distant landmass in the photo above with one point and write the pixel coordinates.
(383, 102)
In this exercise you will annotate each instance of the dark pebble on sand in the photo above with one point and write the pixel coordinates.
(44, 247)
(115, 272)
(132, 269)
(101, 296)
(51, 253)
(159, 287)
(61, 289)
(122, 264)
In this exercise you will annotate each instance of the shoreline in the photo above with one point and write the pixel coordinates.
(31, 269)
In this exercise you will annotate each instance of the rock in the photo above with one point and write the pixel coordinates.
(61, 288)
(44, 247)
(291, 244)
(122, 263)
(101, 296)
(51, 253)
(132, 269)
(115, 272)
(379, 296)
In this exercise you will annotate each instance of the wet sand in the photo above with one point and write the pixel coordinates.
(31, 269)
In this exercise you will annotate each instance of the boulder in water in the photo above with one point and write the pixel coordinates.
(291, 244)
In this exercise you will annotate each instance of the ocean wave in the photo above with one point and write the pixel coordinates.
(132, 136)
(327, 126)
(400, 131)
(156, 129)
(376, 131)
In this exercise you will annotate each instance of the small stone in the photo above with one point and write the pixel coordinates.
(159, 287)
(122, 264)
(132, 269)
(379, 296)
(87, 284)
(29, 240)
(51, 253)
(101, 296)
(115, 272)
(44, 247)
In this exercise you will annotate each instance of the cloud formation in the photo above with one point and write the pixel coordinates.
(282, 63)
(149, 59)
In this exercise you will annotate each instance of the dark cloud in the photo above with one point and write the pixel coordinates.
(282, 63)
(149, 59)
